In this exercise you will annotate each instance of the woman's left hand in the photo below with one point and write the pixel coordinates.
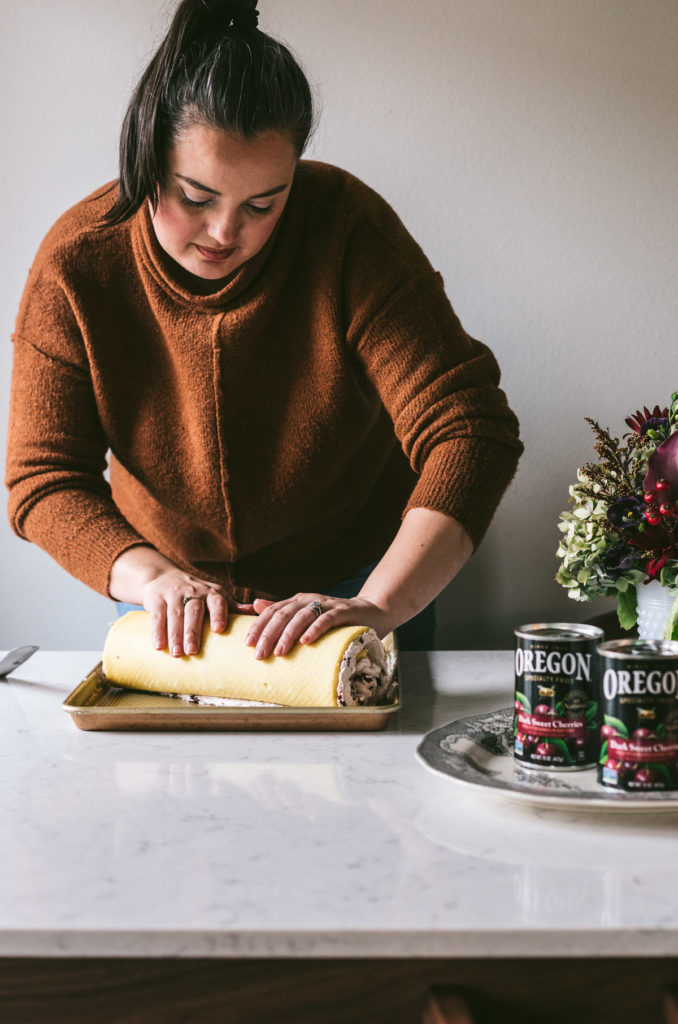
(305, 617)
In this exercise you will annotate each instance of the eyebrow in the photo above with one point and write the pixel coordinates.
(213, 191)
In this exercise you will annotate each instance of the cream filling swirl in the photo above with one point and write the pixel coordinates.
(366, 673)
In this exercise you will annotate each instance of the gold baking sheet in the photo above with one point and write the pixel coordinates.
(97, 704)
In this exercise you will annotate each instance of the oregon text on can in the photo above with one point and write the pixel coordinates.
(572, 663)
(638, 682)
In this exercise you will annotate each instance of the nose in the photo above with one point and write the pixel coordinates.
(224, 229)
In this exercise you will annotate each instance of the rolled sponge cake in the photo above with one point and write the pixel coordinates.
(346, 667)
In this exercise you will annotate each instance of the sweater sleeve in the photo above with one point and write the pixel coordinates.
(439, 386)
(56, 455)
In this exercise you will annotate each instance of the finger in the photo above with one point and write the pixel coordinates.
(194, 612)
(244, 609)
(259, 624)
(261, 604)
(157, 610)
(270, 635)
(295, 629)
(175, 626)
(217, 606)
(338, 615)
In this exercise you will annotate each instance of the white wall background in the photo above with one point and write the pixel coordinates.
(531, 147)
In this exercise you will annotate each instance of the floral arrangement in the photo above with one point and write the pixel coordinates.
(622, 524)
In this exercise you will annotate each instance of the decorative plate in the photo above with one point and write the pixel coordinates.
(478, 751)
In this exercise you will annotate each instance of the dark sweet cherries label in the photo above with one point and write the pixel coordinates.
(556, 723)
(639, 734)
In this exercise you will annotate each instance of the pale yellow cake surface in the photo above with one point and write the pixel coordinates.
(226, 666)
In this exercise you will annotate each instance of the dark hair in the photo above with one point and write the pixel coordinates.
(213, 67)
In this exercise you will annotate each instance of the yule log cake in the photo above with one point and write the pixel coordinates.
(347, 667)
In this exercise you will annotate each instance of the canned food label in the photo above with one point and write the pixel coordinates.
(642, 750)
(536, 661)
(556, 700)
(639, 734)
(550, 725)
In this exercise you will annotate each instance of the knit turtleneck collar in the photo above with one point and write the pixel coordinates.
(178, 283)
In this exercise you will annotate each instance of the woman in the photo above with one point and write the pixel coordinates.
(299, 427)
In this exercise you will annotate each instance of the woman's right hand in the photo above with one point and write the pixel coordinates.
(176, 600)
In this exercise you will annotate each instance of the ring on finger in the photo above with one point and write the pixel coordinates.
(316, 608)
(191, 597)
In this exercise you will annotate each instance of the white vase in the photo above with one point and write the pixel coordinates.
(654, 604)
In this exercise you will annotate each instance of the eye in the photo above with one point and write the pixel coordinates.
(191, 202)
(259, 210)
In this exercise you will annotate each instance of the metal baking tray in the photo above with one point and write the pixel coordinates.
(97, 704)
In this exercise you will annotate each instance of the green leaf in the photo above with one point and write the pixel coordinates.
(562, 745)
(663, 771)
(524, 701)
(603, 753)
(667, 577)
(671, 631)
(617, 724)
(627, 608)
(673, 409)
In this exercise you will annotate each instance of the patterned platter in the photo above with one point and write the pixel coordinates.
(477, 751)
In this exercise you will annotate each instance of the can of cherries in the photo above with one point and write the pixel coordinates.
(556, 720)
(639, 732)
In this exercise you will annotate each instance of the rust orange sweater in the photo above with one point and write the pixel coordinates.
(269, 435)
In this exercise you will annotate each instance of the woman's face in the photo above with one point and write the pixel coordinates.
(222, 198)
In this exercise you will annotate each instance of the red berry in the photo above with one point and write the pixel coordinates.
(661, 485)
(649, 777)
(648, 497)
(666, 508)
(653, 520)
(626, 772)
(529, 743)
(644, 734)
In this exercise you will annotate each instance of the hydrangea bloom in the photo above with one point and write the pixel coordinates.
(621, 526)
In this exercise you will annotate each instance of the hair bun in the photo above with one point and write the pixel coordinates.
(238, 15)
(245, 19)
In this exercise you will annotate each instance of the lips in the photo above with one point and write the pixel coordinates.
(216, 255)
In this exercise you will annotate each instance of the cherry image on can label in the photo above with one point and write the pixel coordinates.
(556, 736)
(556, 710)
(639, 733)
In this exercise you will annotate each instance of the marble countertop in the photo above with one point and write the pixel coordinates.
(293, 844)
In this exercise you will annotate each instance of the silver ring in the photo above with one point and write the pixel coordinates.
(316, 608)
(193, 597)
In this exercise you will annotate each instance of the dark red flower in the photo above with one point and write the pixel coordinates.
(663, 465)
(655, 566)
(641, 422)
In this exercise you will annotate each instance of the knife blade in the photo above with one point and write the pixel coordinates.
(15, 658)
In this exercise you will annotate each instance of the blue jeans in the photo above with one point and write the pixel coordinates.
(416, 635)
